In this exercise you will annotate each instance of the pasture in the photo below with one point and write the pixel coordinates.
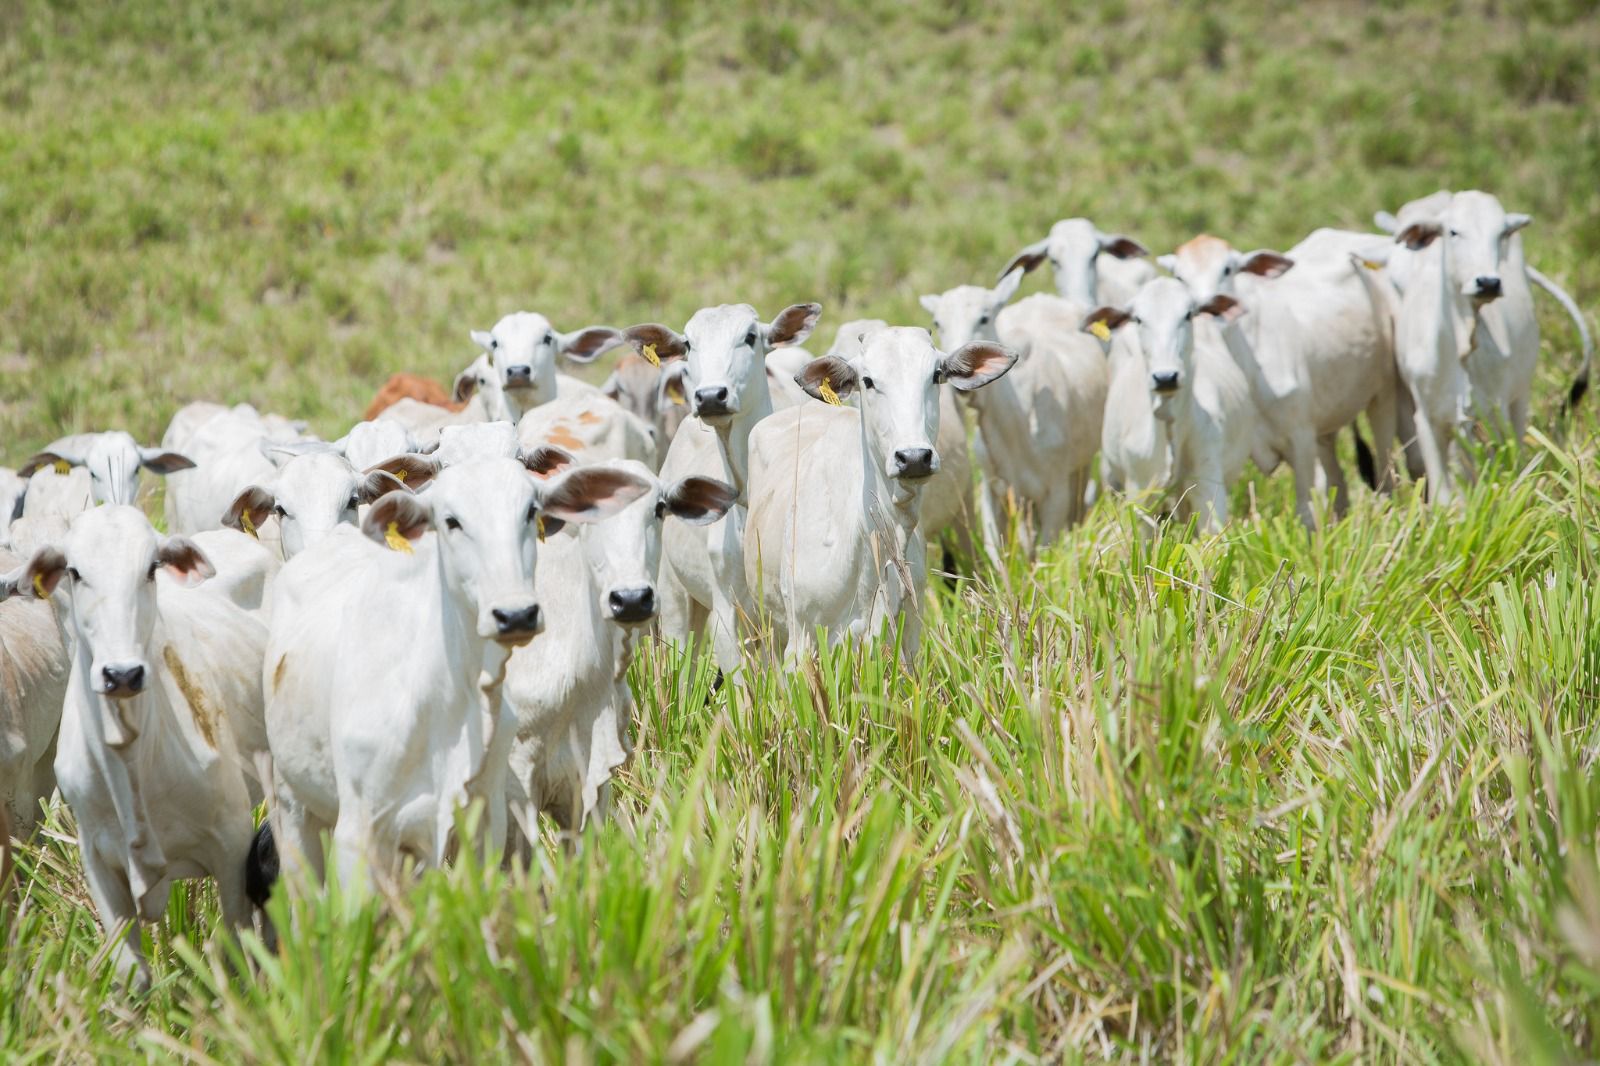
(1258, 796)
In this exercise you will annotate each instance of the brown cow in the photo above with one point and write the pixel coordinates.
(406, 386)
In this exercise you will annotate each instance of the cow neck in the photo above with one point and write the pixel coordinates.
(733, 437)
(905, 500)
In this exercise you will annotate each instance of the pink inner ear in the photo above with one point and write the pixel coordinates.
(188, 576)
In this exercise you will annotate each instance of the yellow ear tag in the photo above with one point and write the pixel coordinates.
(1100, 329)
(1371, 264)
(675, 390)
(650, 356)
(399, 475)
(249, 526)
(828, 394)
(38, 586)
(62, 466)
(396, 539)
(540, 527)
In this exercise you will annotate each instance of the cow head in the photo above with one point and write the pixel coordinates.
(968, 313)
(113, 460)
(315, 490)
(1163, 313)
(1476, 231)
(1073, 249)
(724, 350)
(517, 369)
(486, 514)
(1209, 265)
(897, 377)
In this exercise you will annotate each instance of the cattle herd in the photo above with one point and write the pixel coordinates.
(358, 631)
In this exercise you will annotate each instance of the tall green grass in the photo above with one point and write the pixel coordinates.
(1264, 796)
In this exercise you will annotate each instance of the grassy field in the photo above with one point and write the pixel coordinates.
(1257, 797)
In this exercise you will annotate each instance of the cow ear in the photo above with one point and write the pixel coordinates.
(467, 381)
(1007, 286)
(249, 509)
(408, 468)
(1168, 262)
(670, 387)
(1025, 260)
(547, 460)
(159, 462)
(1419, 235)
(1515, 221)
(483, 339)
(974, 365)
(611, 388)
(1386, 222)
(399, 513)
(700, 501)
(377, 482)
(793, 325)
(183, 561)
(590, 493)
(1222, 306)
(44, 571)
(829, 378)
(1265, 264)
(1122, 247)
(40, 461)
(1107, 318)
(653, 339)
(586, 344)
(930, 302)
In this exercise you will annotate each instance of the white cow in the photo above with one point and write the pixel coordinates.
(313, 490)
(1180, 418)
(369, 443)
(147, 758)
(569, 689)
(1487, 264)
(425, 421)
(725, 350)
(227, 446)
(591, 426)
(833, 540)
(517, 370)
(112, 461)
(1315, 342)
(33, 683)
(1039, 427)
(384, 668)
(1091, 268)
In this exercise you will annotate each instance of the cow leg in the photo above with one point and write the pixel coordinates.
(1519, 420)
(298, 836)
(677, 609)
(1382, 416)
(1333, 476)
(1434, 442)
(989, 522)
(1303, 461)
(1405, 423)
(108, 888)
(724, 625)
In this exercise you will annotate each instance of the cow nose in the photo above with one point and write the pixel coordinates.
(712, 400)
(914, 462)
(1165, 380)
(123, 680)
(519, 375)
(518, 621)
(1488, 285)
(633, 605)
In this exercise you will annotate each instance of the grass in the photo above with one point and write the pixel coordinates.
(1254, 797)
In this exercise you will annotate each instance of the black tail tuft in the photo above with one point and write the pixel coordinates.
(1365, 461)
(949, 566)
(261, 865)
(1580, 388)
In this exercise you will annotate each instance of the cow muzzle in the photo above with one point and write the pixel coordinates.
(632, 606)
(519, 377)
(1486, 287)
(912, 463)
(1165, 382)
(517, 625)
(122, 680)
(714, 401)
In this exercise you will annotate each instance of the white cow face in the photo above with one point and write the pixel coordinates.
(1476, 230)
(110, 559)
(487, 514)
(1210, 265)
(724, 350)
(624, 551)
(316, 490)
(1073, 249)
(1163, 312)
(113, 460)
(518, 368)
(897, 376)
(967, 313)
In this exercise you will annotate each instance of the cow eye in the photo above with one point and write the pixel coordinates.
(278, 510)
(451, 524)
(750, 338)
(661, 508)
(983, 320)
(352, 503)
(494, 342)
(72, 572)
(533, 513)
(866, 383)
(1455, 233)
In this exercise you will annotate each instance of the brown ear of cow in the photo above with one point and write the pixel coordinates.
(249, 509)
(466, 384)
(164, 462)
(1222, 306)
(1266, 264)
(1124, 247)
(183, 561)
(664, 341)
(700, 501)
(1108, 316)
(839, 376)
(39, 462)
(545, 460)
(793, 325)
(407, 513)
(410, 469)
(977, 363)
(1419, 235)
(43, 571)
(1028, 259)
(585, 345)
(590, 493)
